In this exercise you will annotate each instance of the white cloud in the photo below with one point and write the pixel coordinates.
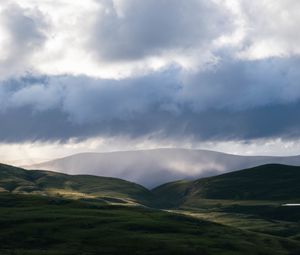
(213, 46)
(271, 28)
(118, 39)
(110, 39)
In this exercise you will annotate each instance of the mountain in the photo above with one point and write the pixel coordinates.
(272, 182)
(46, 183)
(154, 167)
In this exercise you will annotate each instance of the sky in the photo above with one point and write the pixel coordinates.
(109, 75)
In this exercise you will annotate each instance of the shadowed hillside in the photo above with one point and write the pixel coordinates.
(267, 182)
(44, 226)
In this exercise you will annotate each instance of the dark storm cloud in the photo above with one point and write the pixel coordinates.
(238, 85)
(233, 100)
(216, 125)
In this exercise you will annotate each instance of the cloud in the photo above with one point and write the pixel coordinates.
(133, 30)
(241, 84)
(123, 39)
(235, 99)
(199, 70)
(270, 28)
(38, 96)
(22, 34)
(117, 38)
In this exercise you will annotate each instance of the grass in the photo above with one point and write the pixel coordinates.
(262, 218)
(47, 213)
(20, 181)
(42, 225)
(263, 183)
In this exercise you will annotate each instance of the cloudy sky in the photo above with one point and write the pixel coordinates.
(105, 75)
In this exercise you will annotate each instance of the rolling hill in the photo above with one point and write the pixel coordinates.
(273, 182)
(267, 182)
(44, 212)
(37, 225)
(21, 181)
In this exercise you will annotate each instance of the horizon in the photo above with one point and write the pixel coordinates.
(222, 78)
(150, 127)
(34, 161)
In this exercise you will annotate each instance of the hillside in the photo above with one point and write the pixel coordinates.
(44, 212)
(20, 181)
(40, 225)
(267, 182)
(151, 168)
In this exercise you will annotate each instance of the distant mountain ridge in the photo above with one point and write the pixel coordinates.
(151, 168)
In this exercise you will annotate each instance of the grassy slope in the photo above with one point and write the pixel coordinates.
(248, 199)
(43, 225)
(52, 224)
(17, 180)
(267, 182)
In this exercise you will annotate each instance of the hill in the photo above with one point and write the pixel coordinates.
(44, 212)
(41, 225)
(155, 167)
(267, 182)
(21, 181)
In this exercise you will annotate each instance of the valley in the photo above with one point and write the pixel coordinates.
(45, 212)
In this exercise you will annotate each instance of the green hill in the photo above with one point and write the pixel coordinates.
(20, 181)
(268, 182)
(44, 212)
(34, 224)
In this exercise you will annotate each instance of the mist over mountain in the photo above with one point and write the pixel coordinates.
(154, 167)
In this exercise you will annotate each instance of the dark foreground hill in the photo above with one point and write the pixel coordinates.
(267, 182)
(45, 226)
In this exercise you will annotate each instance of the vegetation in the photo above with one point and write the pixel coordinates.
(43, 225)
(20, 181)
(45, 212)
(268, 182)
